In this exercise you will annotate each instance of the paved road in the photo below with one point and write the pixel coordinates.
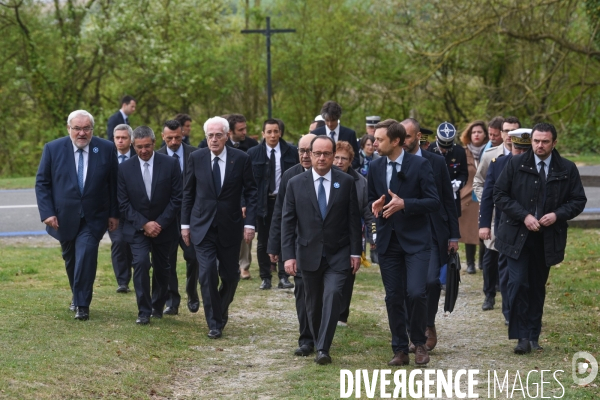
(19, 214)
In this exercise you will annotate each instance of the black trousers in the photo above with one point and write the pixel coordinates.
(503, 280)
(216, 299)
(306, 337)
(490, 272)
(347, 296)
(121, 257)
(263, 227)
(434, 286)
(527, 277)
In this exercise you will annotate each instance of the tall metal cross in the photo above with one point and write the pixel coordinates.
(268, 32)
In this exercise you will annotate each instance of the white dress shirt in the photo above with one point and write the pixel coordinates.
(127, 156)
(277, 165)
(179, 152)
(150, 165)
(546, 162)
(337, 132)
(222, 162)
(388, 171)
(86, 153)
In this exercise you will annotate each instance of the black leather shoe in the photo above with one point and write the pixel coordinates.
(214, 334)
(123, 289)
(471, 269)
(535, 346)
(142, 321)
(156, 314)
(266, 284)
(82, 313)
(304, 351)
(523, 347)
(322, 358)
(72, 307)
(193, 305)
(171, 311)
(284, 283)
(488, 303)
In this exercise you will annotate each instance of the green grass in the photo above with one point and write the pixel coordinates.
(17, 183)
(45, 354)
(584, 158)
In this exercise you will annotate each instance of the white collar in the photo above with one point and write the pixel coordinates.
(316, 176)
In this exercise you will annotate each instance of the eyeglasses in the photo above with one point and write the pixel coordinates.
(506, 130)
(217, 136)
(86, 129)
(340, 158)
(326, 154)
(303, 151)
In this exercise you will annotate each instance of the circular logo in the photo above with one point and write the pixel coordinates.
(584, 362)
(95, 149)
(336, 185)
(525, 136)
(446, 130)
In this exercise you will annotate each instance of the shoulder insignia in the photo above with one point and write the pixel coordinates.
(493, 160)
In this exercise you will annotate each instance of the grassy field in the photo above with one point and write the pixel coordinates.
(17, 183)
(48, 355)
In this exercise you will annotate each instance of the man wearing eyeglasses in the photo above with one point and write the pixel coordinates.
(321, 237)
(211, 218)
(76, 190)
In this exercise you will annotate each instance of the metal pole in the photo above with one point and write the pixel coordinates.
(268, 34)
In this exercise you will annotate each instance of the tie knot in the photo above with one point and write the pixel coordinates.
(321, 179)
(80, 151)
(175, 155)
(272, 151)
(217, 159)
(541, 164)
(146, 165)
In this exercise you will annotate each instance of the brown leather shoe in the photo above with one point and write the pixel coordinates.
(244, 274)
(400, 358)
(411, 348)
(421, 355)
(431, 338)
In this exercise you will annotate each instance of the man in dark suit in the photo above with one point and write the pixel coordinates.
(150, 200)
(331, 112)
(186, 127)
(172, 136)
(270, 160)
(76, 190)
(211, 218)
(444, 226)
(321, 236)
(120, 252)
(403, 194)
(306, 341)
(120, 117)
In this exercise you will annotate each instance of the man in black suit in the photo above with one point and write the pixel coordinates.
(306, 341)
(173, 137)
(403, 194)
(120, 117)
(120, 252)
(211, 218)
(76, 191)
(150, 200)
(331, 112)
(186, 126)
(444, 226)
(270, 160)
(321, 236)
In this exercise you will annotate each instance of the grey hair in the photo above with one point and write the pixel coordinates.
(124, 127)
(218, 120)
(142, 132)
(80, 113)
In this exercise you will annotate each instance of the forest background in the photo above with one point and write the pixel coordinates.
(440, 60)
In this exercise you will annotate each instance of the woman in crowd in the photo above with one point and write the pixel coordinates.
(474, 139)
(344, 154)
(367, 154)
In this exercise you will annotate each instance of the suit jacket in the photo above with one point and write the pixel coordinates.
(456, 160)
(444, 220)
(245, 144)
(420, 196)
(187, 150)
(111, 124)
(306, 236)
(486, 206)
(57, 190)
(201, 205)
(482, 168)
(348, 135)
(163, 207)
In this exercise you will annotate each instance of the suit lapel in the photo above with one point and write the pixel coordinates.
(92, 161)
(228, 168)
(333, 191)
(137, 177)
(206, 165)
(155, 173)
(310, 189)
(404, 168)
(70, 160)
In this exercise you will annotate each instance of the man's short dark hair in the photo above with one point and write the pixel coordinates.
(412, 122)
(395, 130)
(234, 119)
(271, 121)
(545, 127)
(172, 124)
(512, 120)
(331, 111)
(127, 99)
(323, 137)
(496, 123)
(281, 126)
(142, 132)
(182, 118)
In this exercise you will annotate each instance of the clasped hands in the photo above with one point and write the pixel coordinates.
(396, 204)
(533, 224)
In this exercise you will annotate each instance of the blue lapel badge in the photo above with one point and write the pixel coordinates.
(95, 149)
(336, 185)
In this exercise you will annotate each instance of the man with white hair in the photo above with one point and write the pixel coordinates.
(211, 218)
(76, 190)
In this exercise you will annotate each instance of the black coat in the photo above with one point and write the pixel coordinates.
(111, 124)
(347, 135)
(456, 160)
(486, 206)
(262, 170)
(515, 194)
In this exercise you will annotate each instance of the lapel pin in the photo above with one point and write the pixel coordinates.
(336, 185)
(95, 149)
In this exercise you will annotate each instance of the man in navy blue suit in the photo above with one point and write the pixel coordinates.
(76, 190)
(211, 218)
(128, 105)
(444, 225)
(403, 194)
(149, 193)
(331, 113)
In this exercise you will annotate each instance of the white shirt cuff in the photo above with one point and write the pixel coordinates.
(355, 256)
(185, 227)
(249, 227)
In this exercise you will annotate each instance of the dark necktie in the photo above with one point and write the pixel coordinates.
(236, 145)
(122, 158)
(80, 171)
(394, 180)
(216, 172)
(176, 156)
(273, 169)
(541, 200)
(332, 134)
(322, 198)
(127, 120)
